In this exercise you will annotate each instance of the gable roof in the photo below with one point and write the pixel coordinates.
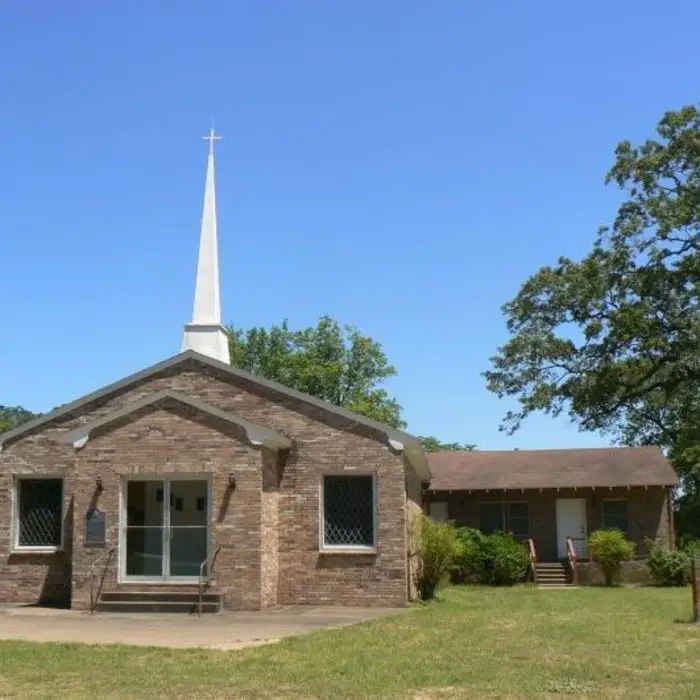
(543, 469)
(256, 434)
(397, 439)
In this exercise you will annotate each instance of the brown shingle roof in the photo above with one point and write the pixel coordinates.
(528, 469)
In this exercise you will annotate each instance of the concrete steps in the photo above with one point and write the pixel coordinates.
(552, 575)
(147, 602)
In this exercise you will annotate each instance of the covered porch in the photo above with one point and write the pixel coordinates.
(549, 516)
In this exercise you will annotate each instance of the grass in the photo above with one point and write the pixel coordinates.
(474, 643)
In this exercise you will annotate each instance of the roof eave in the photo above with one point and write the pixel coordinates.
(256, 434)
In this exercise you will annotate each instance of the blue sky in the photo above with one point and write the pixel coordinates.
(400, 165)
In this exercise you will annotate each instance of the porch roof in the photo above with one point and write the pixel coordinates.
(256, 434)
(543, 469)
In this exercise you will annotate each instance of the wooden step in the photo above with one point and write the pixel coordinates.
(551, 575)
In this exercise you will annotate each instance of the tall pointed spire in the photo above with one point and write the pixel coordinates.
(205, 334)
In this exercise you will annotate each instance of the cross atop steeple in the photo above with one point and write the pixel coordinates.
(206, 334)
(211, 138)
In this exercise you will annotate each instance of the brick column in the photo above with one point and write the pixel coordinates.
(696, 589)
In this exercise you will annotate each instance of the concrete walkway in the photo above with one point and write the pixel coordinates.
(227, 630)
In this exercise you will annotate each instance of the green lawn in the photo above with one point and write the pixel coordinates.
(474, 643)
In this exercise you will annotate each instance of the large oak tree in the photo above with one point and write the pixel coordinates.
(613, 340)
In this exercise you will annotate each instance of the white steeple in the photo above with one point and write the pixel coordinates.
(205, 334)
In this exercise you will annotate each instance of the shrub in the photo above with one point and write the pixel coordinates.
(509, 559)
(470, 564)
(436, 550)
(497, 559)
(608, 549)
(691, 547)
(668, 567)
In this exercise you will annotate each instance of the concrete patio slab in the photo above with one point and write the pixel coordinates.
(226, 630)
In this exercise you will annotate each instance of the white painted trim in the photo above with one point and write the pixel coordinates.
(343, 548)
(15, 547)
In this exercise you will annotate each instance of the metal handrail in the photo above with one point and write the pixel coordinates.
(105, 556)
(533, 557)
(209, 564)
(572, 559)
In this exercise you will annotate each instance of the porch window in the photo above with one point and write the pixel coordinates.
(519, 519)
(439, 511)
(615, 515)
(491, 518)
(505, 517)
(38, 513)
(348, 511)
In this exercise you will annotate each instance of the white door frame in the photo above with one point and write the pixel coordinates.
(165, 479)
(564, 531)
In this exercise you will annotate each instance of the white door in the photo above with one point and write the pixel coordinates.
(571, 522)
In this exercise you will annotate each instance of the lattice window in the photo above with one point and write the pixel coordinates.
(39, 512)
(348, 511)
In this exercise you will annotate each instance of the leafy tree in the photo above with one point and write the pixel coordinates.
(613, 340)
(334, 363)
(432, 444)
(12, 416)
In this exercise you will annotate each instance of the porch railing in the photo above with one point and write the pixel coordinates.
(533, 557)
(105, 558)
(572, 558)
(206, 570)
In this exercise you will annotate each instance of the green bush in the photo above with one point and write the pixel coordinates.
(668, 567)
(691, 547)
(498, 559)
(469, 565)
(436, 550)
(608, 549)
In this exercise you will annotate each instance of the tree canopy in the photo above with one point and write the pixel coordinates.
(613, 340)
(12, 416)
(433, 444)
(332, 362)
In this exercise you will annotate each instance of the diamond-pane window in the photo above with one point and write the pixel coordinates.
(348, 511)
(39, 510)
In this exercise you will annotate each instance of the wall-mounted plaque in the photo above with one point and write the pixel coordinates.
(96, 528)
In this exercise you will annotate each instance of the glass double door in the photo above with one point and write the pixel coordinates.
(165, 528)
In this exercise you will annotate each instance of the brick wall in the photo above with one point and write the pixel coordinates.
(258, 564)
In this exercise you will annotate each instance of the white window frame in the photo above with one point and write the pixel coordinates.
(344, 548)
(14, 529)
